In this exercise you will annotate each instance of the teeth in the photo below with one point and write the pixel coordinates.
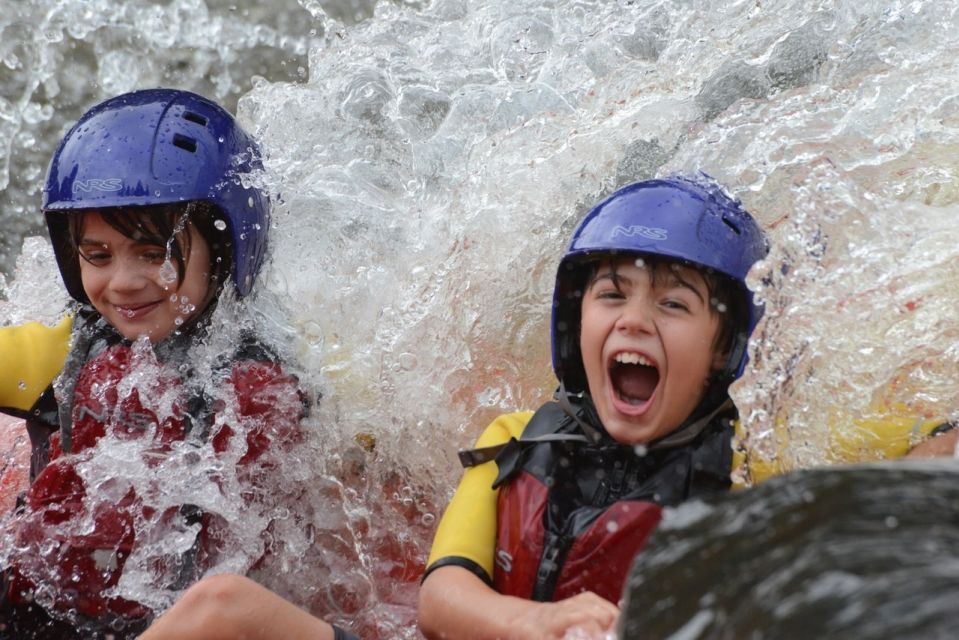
(633, 358)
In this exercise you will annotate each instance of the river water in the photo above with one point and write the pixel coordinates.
(429, 160)
(842, 552)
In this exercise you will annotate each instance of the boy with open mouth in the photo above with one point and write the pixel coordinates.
(651, 317)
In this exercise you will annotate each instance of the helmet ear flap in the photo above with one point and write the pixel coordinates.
(569, 352)
(736, 359)
(567, 306)
(66, 255)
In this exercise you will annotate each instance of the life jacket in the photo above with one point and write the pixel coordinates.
(574, 510)
(90, 563)
(90, 335)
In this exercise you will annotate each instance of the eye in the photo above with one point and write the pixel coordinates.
(605, 290)
(96, 257)
(675, 304)
(613, 294)
(154, 255)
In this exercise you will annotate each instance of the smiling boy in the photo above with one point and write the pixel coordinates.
(651, 317)
(126, 278)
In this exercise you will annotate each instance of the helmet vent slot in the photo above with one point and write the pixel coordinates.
(194, 117)
(732, 225)
(188, 144)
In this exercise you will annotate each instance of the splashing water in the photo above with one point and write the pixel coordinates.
(428, 163)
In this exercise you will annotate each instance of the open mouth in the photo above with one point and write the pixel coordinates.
(634, 378)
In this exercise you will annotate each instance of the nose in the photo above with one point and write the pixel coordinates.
(636, 317)
(128, 275)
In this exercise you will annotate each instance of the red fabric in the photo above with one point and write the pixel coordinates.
(266, 398)
(519, 537)
(599, 558)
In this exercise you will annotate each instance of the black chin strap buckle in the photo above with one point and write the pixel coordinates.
(562, 399)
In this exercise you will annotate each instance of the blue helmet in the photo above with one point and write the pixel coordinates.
(155, 147)
(677, 218)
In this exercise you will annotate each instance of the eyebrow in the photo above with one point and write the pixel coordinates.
(88, 242)
(673, 278)
(93, 242)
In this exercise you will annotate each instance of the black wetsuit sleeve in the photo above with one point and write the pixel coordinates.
(465, 563)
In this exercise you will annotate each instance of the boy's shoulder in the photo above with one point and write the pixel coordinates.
(504, 427)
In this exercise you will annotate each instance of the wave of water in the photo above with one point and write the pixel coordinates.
(430, 161)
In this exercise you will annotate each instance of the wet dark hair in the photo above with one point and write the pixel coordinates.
(166, 226)
(726, 296)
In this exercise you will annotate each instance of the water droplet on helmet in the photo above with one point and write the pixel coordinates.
(249, 202)
(220, 224)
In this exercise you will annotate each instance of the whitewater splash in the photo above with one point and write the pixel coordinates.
(429, 162)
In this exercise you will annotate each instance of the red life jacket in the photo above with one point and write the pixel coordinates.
(80, 566)
(572, 514)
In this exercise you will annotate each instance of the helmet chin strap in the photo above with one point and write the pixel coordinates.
(690, 430)
(562, 399)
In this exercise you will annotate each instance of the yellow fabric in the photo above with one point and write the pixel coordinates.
(468, 526)
(31, 355)
(886, 434)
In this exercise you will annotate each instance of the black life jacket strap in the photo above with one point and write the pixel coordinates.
(692, 430)
(472, 457)
(562, 399)
(85, 333)
(542, 427)
(42, 423)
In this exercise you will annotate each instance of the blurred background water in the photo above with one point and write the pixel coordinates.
(429, 160)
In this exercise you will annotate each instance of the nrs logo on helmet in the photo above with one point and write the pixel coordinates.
(95, 184)
(652, 233)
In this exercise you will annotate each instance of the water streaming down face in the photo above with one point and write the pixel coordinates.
(429, 163)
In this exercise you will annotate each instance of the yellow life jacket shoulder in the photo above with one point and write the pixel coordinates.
(32, 355)
(885, 434)
(467, 529)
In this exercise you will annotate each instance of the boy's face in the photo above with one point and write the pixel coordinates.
(134, 285)
(647, 346)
